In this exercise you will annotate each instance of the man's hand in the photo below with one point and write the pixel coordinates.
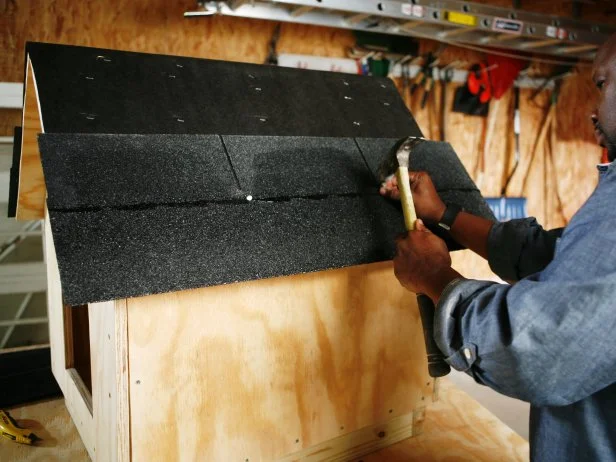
(428, 204)
(422, 263)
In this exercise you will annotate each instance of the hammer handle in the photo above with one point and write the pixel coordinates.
(406, 198)
(437, 367)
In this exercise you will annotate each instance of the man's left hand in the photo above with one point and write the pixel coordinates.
(422, 263)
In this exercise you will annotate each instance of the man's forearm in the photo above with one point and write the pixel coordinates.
(472, 232)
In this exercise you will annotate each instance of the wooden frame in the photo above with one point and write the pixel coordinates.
(101, 418)
(77, 344)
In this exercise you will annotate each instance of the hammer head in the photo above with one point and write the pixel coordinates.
(398, 156)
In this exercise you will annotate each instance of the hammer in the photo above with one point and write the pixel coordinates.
(397, 160)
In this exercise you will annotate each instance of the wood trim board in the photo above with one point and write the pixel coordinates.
(359, 443)
(109, 381)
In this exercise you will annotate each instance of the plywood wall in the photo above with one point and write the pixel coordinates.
(277, 366)
(158, 26)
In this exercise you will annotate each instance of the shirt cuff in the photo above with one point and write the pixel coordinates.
(505, 242)
(460, 353)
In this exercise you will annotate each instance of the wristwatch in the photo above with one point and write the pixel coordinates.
(451, 212)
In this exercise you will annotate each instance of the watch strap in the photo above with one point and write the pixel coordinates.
(451, 212)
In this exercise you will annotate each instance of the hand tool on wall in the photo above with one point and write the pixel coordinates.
(419, 80)
(446, 77)
(272, 54)
(474, 97)
(397, 161)
(428, 87)
(9, 429)
(424, 72)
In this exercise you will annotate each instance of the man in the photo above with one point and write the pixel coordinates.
(550, 338)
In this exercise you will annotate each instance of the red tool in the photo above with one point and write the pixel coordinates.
(479, 83)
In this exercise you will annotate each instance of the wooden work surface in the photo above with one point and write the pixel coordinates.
(456, 428)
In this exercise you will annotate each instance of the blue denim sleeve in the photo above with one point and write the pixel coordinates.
(549, 338)
(519, 248)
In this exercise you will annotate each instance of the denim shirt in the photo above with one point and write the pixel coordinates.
(549, 338)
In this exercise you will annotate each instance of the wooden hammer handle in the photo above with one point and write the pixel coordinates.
(437, 367)
(406, 198)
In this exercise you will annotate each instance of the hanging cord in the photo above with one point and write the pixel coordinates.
(539, 142)
(548, 127)
(489, 125)
(557, 78)
(516, 132)
(550, 157)
(561, 73)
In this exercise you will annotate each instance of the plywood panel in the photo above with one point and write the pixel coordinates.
(32, 191)
(360, 442)
(267, 368)
(457, 428)
(155, 27)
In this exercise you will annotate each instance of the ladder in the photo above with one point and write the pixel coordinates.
(477, 26)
